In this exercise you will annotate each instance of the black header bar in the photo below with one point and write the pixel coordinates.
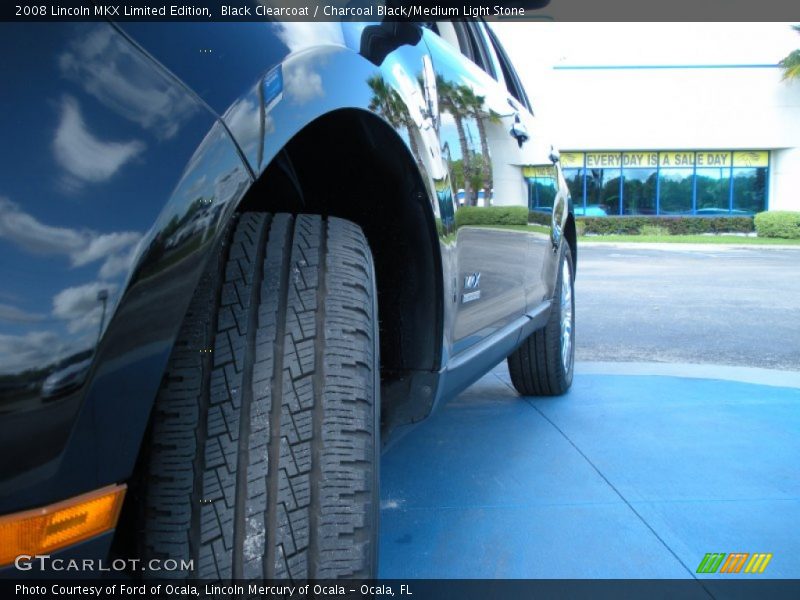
(399, 10)
(412, 589)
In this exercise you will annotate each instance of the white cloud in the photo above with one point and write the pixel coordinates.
(19, 352)
(17, 315)
(116, 265)
(301, 83)
(104, 245)
(298, 35)
(79, 305)
(244, 121)
(29, 233)
(82, 247)
(82, 154)
(121, 263)
(121, 78)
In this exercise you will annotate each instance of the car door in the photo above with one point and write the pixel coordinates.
(498, 156)
(534, 161)
(475, 121)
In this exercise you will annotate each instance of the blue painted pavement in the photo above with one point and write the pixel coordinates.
(626, 476)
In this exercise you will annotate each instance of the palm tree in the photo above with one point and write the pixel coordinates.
(450, 100)
(387, 102)
(791, 64)
(476, 106)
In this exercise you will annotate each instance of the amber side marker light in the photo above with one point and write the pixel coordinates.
(50, 528)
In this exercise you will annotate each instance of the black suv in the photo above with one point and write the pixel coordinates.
(235, 265)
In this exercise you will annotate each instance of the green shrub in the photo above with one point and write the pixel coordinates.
(674, 225)
(538, 217)
(778, 224)
(659, 230)
(612, 225)
(580, 228)
(492, 215)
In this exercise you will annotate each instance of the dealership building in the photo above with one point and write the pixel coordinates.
(666, 118)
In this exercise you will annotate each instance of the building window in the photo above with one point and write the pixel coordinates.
(749, 190)
(675, 191)
(574, 179)
(639, 183)
(703, 182)
(713, 183)
(750, 181)
(639, 191)
(713, 191)
(603, 192)
(542, 187)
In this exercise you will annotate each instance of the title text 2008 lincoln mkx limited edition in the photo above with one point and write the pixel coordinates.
(238, 260)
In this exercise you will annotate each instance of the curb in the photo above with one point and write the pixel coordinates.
(754, 375)
(688, 246)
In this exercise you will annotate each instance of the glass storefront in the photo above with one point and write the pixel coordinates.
(665, 183)
(713, 190)
(639, 191)
(675, 191)
(603, 192)
(575, 181)
(749, 189)
(541, 187)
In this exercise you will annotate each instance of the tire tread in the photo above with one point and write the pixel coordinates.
(287, 474)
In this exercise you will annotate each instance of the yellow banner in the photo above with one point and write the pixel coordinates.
(676, 159)
(751, 158)
(713, 159)
(539, 172)
(639, 160)
(651, 159)
(607, 160)
(571, 160)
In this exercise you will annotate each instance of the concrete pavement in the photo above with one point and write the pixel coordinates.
(629, 475)
(701, 304)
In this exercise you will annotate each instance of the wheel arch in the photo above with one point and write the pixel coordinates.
(571, 236)
(391, 205)
(311, 132)
(349, 163)
(321, 145)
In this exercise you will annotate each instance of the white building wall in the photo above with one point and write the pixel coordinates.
(675, 109)
(784, 175)
(685, 100)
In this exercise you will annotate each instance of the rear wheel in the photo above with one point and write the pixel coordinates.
(263, 457)
(544, 363)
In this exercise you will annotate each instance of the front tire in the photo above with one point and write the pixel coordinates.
(543, 365)
(264, 450)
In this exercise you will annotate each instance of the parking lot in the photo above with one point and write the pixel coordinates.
(680, 436)
(702, 304)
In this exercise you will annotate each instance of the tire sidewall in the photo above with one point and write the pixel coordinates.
(376, 438)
